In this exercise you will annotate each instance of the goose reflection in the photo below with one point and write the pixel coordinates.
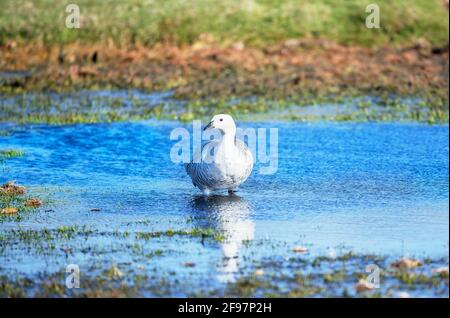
(229, 215)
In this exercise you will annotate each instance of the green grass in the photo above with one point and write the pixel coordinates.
(10, 153)
(256, 22)
(196, 232)
(72, 109)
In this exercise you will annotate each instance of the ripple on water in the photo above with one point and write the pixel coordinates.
(380, 188)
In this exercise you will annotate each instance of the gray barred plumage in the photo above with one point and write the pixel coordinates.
(221, 164)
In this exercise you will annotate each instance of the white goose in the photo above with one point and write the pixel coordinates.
(221, 164)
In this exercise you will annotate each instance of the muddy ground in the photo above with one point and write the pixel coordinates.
(294, 69)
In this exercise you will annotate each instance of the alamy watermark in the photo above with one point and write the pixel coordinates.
(262, 142)
(73, 279)
(73, 17)
(373, 279)
(373, 19)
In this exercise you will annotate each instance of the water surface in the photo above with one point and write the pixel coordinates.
(366, 187)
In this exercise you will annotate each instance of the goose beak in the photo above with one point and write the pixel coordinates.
(209, 126)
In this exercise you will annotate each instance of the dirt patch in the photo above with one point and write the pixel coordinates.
(207, 69)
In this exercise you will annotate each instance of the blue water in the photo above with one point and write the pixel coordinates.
(367, 187)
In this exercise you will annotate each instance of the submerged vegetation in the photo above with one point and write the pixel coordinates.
(267, 278)
(10, 153)
(100, 107)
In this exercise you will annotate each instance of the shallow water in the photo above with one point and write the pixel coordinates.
(364, 187)
(94, 106)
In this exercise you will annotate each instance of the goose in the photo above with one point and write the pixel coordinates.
(221, 164)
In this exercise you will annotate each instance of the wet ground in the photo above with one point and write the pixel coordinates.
(300, 70)
(103, 106)
(345, 195)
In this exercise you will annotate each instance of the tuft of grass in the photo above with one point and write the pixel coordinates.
(195, 232)
(11, 153)
(4, 133)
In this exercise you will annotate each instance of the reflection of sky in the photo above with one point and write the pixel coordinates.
(379, 188)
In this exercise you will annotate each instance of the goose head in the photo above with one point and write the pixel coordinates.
(224, 123)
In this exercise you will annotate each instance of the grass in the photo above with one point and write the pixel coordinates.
(10, 153)
(71, 109)
(255, 22)
(4, 133)
(72, 232)
(195, 232)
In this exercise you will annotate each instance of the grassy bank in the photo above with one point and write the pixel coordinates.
(255, 22)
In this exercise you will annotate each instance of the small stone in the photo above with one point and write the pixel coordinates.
(300, 249)
(292, 42)
(9, 211)
(198, 46)
(33, 203)
(331, 253)
(189, 264)
(238, 46)
(363, 286)
(115, 272)
(402, 294)
(259, 272)
(67, 250)
(406, 263)
(440, 270)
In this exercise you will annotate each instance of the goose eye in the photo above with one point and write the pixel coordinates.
(221, 119)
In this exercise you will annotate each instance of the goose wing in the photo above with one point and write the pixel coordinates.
(200, 165)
